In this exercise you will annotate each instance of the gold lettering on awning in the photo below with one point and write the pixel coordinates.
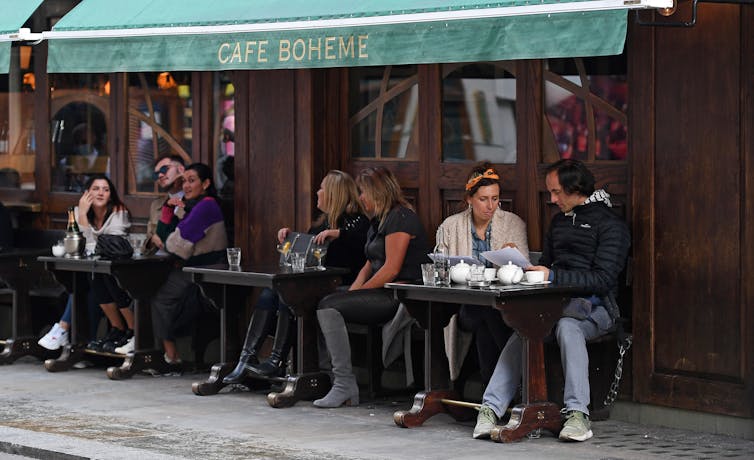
(312, 49)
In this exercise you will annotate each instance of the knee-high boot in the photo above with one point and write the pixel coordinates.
(259, 327)
(344, 388)
(274, 366)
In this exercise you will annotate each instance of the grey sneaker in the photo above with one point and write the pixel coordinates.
(577, 427)
(485, 422)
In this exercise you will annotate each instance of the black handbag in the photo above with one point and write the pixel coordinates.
(113, 247)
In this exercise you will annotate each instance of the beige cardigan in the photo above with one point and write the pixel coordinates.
(456, 235)
(506, 228)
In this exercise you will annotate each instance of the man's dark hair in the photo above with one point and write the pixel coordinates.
(574, 177)
(174, 158)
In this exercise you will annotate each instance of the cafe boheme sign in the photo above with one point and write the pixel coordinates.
(304, 51)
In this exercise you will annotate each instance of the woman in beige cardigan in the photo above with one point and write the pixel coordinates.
(483, 226)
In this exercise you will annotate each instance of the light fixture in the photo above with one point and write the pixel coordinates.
(165, 81)
(668, 10)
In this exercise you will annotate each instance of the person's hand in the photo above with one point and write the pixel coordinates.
(539, 268)
(157, 241)
(324, 235)
(282, 233)
(85, 202)
(176, 202)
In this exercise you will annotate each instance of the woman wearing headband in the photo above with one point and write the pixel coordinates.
(483, 226)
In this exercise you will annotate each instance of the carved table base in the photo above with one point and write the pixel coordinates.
(526, 418)
(24, 346)
(428, 404)
(307, 386)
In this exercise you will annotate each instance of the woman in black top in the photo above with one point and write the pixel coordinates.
(344, 226)
(396, 247)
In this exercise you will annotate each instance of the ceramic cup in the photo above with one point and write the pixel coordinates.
(534, 276)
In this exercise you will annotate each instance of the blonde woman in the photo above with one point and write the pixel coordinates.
(396, 247)
(342, 224)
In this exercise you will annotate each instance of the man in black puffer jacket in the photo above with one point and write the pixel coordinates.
(586, 246)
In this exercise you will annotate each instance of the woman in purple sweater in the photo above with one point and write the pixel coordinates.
(194, 231)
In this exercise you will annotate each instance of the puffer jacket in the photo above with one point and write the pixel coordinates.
(588, 247)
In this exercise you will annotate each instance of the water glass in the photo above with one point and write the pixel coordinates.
(137, 241)
(234, 256)
(298, 260)
(428, 274)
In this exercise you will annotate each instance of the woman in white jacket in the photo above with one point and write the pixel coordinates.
(483, 226)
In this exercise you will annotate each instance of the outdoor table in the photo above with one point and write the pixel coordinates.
(141, 277)
(531, 311)
(18, 268)
(301, 291)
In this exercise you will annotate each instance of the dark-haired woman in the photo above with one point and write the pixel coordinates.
(481, 227)
(100, 211)
(194, 231)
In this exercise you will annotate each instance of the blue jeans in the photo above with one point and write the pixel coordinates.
(572, 335)
(270, 300)
(94, 313)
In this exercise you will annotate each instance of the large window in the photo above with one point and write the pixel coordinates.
(585, 107)
(383, 112)
(479, 112)
(79, 107)
(159, 123)
(17, 142)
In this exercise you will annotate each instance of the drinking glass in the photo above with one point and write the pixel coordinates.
(234, 257)
(298, 260)
(319, 251)
(284, 249)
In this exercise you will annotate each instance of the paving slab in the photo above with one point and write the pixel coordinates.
(82, 414)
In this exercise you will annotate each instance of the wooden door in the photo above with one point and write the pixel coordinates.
(692, 144)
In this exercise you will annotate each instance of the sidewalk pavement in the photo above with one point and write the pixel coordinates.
(82, 414)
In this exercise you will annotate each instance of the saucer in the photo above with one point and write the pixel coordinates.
(527, 283)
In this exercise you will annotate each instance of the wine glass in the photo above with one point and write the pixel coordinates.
(319, 251)
(284, 249)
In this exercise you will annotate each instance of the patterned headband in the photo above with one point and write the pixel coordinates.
(476, 177)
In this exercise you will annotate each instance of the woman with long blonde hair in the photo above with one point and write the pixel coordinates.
(396, 247)
(343, 226)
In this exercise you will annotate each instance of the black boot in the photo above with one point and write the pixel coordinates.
(261, 322)
(274, 366)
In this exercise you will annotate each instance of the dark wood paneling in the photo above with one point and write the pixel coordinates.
(690, 201)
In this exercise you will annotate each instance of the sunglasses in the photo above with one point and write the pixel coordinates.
(162, 170)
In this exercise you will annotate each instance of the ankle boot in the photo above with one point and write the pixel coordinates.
(274, 366)
(259, 327)
(344, 388)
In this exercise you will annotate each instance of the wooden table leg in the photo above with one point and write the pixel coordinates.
(308, 386)
(25, 346)
(428, 404)
(138, 361)
(70, 355)
(526, 418)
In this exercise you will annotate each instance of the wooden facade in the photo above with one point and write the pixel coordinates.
(686, 188)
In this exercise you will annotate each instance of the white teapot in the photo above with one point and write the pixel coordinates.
(510, 273)
(460, 272)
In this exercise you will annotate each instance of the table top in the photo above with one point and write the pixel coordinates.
(258, 275)
(461, 293)
(95, 264)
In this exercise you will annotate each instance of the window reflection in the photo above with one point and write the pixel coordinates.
(383, 112)
(478, 112)
(80, 104)
(225, 136)
(17, 139)
(160, 110)
(585, 107)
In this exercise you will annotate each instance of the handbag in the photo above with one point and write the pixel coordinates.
(113, 247)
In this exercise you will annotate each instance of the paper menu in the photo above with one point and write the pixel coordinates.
(503, 256)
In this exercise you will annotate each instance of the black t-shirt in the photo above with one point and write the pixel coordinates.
(399, 219)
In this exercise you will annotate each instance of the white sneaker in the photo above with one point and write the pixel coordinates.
(127, 348)
(57, 337)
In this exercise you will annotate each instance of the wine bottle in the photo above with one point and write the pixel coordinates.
(72, 227)
(442, 262)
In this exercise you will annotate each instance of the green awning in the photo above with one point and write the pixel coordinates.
(154, 35)
(15, 13)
